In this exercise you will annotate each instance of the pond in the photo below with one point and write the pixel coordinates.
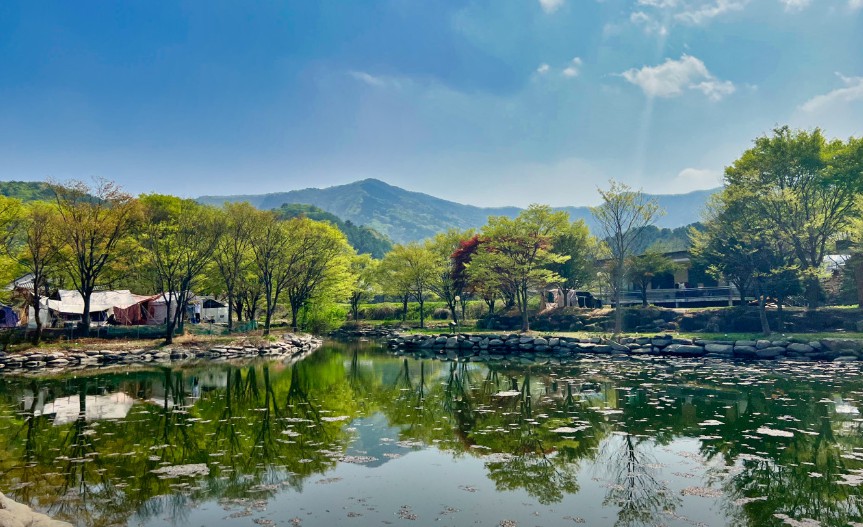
(356, 436)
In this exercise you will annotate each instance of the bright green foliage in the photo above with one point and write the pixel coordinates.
(96, 222)
(728, 244)
(364, 239)
(413, 268)
(579, 271)
(35, 251)
(364, 272)
(27, 191)
(519, 252)
(322, 269)
(806, 188)
(644, 268)
(622, 217)
(394, 277)
(179, 237)
(10, 214)
(233, 253)
(445, 283)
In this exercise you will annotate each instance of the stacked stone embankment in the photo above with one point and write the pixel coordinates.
(490, 347)
(287, 347)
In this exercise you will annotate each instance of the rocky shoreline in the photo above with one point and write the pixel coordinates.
(491, 347)
(289, 346)
(14, 514)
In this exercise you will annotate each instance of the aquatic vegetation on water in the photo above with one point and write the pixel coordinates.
(354, 434)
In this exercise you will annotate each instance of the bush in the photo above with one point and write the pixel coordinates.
(440, 314)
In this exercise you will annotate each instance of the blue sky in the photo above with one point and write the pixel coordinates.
(489, 102)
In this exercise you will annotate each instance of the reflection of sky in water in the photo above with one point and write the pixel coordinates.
(369, 439)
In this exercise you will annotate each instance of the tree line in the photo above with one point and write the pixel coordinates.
(785, 203)
(88, 237)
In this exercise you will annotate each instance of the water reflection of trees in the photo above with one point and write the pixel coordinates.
(635, 488)
(263, 427)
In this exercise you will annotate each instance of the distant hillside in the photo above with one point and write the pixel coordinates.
(361, 238)
(405, 216)
(680, 209)
(26, 190)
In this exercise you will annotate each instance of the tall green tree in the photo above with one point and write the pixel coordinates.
(233, 252)
(642, 269)
(445, 282)
(35, 251)
(519, 252)
(726, 243)
(622, 218)
(95, 222)
(415, 268)
(322, 262)
(276, 260)
(363, 270)
(180, 237)
(579, 271)
(394, 277)
(806, 187)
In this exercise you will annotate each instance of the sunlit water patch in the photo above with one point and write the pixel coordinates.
(355, 436)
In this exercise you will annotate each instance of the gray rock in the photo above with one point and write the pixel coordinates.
(846, 358)
(686, 350)
(770, 353)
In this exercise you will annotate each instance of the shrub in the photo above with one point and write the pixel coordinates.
(440, 314)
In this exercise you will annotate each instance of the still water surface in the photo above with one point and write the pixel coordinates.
(355, 436)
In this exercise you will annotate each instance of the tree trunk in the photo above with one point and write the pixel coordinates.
(813, 293)
(85, 316)
(422, 312)
(268, 316)
(295, 308)
(762, 313)
(780, 315)
(36, 310)
(858, 278)
(169, 323)
(230, 309)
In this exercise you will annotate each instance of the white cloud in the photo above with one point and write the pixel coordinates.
(543, 69)
(573, 69)
(660, 4)
(700, 13)
(796, 5)
(853, 91)
(648, 23)
(714, 89)
(368, 78)
(550, 6)
(672, 77)
(690, 179)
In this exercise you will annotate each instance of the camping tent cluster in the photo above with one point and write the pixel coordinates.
(66, 307)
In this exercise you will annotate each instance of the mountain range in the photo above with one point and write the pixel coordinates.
(405, 216)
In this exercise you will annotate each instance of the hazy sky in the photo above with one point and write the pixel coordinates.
(489, 102)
